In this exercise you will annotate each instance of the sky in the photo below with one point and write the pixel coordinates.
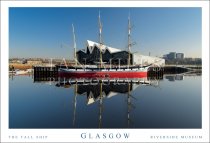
(47, 32)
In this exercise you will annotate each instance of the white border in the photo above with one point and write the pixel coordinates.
(73, 135)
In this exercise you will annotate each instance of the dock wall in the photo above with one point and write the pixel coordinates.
(41, 71)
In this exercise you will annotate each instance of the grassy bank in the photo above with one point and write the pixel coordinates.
(20, 66)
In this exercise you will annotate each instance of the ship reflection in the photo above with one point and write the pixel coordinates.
(98, 93)
(98, 90)
(94, 92)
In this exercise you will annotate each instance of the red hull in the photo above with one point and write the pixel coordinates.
(103, 74)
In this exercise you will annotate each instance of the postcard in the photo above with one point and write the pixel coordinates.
(104, 71)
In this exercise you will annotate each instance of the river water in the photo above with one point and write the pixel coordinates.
(174, 101)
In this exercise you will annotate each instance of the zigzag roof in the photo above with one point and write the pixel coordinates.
(91, 45)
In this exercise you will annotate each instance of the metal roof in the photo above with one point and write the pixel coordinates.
(91, 45)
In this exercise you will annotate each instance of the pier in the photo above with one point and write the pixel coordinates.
(47, 72)
(51, 71)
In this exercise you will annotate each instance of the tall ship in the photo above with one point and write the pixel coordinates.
(102, 69)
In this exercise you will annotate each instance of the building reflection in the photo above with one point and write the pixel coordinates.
(97, 91)
(174, 77)
(180, 77)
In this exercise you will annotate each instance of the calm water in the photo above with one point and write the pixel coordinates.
(174, 103)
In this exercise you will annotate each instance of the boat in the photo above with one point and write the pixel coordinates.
(101, 70)
(131, 72)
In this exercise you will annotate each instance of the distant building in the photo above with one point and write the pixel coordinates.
(174, 55)
(180, 55)
(20, 61)
(34, 62)
(165, 56)
(171, 55)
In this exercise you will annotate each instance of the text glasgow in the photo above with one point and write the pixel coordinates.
(105, 136)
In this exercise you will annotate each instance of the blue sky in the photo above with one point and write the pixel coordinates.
(40, 32)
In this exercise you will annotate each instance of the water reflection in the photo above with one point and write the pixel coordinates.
(104, 103)
(96, 90)
(174, 77)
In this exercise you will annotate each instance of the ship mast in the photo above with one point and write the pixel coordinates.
(75, 46)
(100, 105)
(100, 38)
(75, 103)
(129, 40)
(129, 106)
